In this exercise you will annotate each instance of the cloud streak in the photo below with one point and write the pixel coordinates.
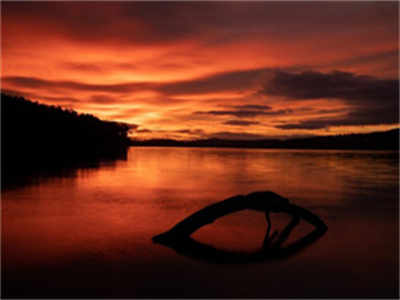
(241, 123)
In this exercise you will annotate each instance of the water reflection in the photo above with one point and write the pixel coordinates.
(41, 171)
(89, 235)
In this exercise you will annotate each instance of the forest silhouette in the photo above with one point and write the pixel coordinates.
(47, 139)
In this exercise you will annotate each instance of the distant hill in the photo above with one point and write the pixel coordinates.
(387, 140)
(36, 136)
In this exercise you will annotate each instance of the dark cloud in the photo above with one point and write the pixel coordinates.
(361, 116)
(226, 135)
(241, 123)
(250, 106)
(82, 67)
(356, 89)
(245, 113)
(339, 85)
(235, 113)
(37, 83)
(329, 111)
(214, 22)
(228, 81)
(189, 131)
(371, 100)
(29, 82)
(103, 66)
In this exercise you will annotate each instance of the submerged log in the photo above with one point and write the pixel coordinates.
(178, 237)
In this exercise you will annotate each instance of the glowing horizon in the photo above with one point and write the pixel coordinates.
(195, 70)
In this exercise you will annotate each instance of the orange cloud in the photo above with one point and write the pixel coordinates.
(171, 67)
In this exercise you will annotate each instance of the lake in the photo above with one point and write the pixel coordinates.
(89, 234)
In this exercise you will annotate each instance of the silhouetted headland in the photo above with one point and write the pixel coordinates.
(178, 237)
(48, 139)
(386, 140)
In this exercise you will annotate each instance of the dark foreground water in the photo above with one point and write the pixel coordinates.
(89, 234)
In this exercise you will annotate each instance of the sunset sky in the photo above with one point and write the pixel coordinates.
(190, 70)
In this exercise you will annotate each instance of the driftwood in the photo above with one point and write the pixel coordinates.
(178, 237)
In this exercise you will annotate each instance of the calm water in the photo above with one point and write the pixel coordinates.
(89, 234)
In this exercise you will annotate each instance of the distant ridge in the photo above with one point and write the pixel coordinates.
(386, 140)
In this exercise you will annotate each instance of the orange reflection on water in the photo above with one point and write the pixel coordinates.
(108, 215)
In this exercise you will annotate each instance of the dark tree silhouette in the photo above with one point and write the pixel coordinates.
(36, 136)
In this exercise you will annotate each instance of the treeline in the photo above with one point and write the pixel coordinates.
(36, 136)
(387, 140)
